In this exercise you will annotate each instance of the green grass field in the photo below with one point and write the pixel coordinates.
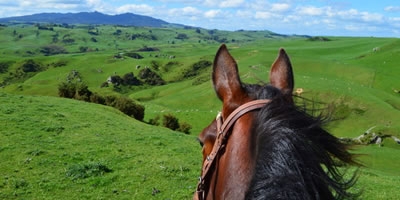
(54, 148)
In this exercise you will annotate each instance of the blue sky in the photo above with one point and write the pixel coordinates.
(318, 17)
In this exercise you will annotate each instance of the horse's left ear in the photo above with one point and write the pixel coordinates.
(281, 74)
(226, 79)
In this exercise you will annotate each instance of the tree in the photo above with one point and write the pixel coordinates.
(52, 49)
(116, 80)
(185, 127)
(4, 66)
(150, 77)
(171, 122)
(130, 79)
(130, 108)
(66, 90)
(181, 36)
(31, 66)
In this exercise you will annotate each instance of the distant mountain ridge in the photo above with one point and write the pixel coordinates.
(126, 19)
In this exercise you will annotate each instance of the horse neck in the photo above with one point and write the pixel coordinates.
(235, 168)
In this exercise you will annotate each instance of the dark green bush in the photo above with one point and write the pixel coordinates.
(82, 92)
(4, 66)
(184, 127)
(31, 66)
(117, 80)
(52, 49)
(129, 107)
(181, 36)
(195, 69)
(130, 79)
(155, 121)
(66, 90)
(171, 122)
(110, 100)
(83, 49)
(104, 84)
(150, 77)
(96, 98)
(75, 89)
(134, 55)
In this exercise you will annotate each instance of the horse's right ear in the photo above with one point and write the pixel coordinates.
(281, 74)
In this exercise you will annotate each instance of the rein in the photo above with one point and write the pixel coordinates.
(223, 127)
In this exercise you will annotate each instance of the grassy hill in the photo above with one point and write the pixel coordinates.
(55, 148)
(358, 75)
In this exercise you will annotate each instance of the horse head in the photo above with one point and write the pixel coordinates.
(234, 166)
(262, 146)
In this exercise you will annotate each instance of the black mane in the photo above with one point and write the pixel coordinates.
(296, 157)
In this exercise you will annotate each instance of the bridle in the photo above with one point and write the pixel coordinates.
(223, 133)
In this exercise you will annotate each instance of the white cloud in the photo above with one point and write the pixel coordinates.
(186, 11)
(212, 13)
(352, 27)
(49, 4)
(244, 14)
(231, 3)
(280, 7)
(138, 9)
(310, 10)
(371, 17)
(291, 18)
(210, 3)
(392, 8)
(263, 15)
(355, 15)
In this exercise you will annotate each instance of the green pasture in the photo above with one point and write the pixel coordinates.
(54, 148)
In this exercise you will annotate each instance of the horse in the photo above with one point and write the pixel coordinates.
(263, 146)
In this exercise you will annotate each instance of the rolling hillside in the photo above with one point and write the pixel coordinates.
(358, 75)
(94, 18)
(52, 147)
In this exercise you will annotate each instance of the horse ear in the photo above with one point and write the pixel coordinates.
(225, 77)
(281, 74)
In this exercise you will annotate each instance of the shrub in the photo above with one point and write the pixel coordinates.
(155, 121)
(319, 38)
(130, 79)
(82, 92)
(104, 84)
(4, 66)
(83, 49)
(194, 70)
(31, 66)
(96, 98)
(185, 127)
(109, 100)
(134, 55)
(169, 65)
(155, 65)
(171, 122)
(59, 63)
(66, 90)
(143, 36)
(146, 48)
(181, 36)
(68, 41)
(52, 49)
(116, 80)
(130, 108)
(150, 77)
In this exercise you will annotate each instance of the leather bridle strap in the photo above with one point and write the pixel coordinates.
(223, 127)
